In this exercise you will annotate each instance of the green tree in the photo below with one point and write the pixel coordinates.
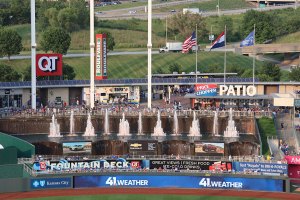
(294, 75)
(68, 74)
(10, 43)
(185, 24)
(269, 70)
(67, 20)
(8, 74)
(264, 25)
(81, 12)
(110, 39)
(56, 40)
(175, 68)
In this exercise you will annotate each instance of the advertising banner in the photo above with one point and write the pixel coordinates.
(206, 89)
(265, 168)
(140, 145)
(294, 160)
(68, 165)
(206, 148)
(49, 65)
(48, 183)
(190, 165)
(71, 148)
(179, 182)
(100, 57)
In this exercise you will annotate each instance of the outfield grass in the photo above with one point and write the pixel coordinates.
(145, 197)
(135, 66)
(266, 128)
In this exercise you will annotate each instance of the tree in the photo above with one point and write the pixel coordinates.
(185, 24)
(175, 68)
(10, 43)
(8, 74)
(264, 25)
(110, 39)
(56, 40)
(269, 70)
(68, 74)
(67, 20)
(294, 75)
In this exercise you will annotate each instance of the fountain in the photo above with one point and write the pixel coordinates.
(140, 124)
(72, 125)
(158, 130)
(195, 128)
(89, 130)
(124, 127)
(175, 124)
(106, 123)
(231, 128)
(54, 128)
(216, 125)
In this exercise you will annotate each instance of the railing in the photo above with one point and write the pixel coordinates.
(260, 159)
(133, 112)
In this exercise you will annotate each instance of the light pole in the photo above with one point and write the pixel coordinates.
(149, 46)
(33, 53)
(218, 8)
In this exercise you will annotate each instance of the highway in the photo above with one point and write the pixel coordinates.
(141, 14)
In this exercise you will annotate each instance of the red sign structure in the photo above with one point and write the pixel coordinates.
(49, 64)
(100, 57)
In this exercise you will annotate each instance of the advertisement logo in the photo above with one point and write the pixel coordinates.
(101, 57)
(208, 183)
(49, 64)
(136, 146)
(135, 164)
(151, 146)
(50, 183)
(206, 89)
(113, 181)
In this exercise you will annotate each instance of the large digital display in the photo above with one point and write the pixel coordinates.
(179, 182)
(209, 148)
(190, 165)
(71, 148)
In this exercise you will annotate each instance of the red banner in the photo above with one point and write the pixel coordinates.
(294, 160)
(100, 57)
(49, 64)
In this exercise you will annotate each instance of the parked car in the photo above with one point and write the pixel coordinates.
(209, 148)
(76, 147)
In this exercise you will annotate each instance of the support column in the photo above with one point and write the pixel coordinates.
(92, 57)
(33, 54)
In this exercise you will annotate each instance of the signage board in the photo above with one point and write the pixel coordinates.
(206, 89)
(49, 65)
(237, 90)
(265, 168)
(101, 57)
(50, 183)
(140, 145)
(190, 165)
(209, 148)
(195, 182)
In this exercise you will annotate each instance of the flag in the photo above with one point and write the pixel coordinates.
(189, 43)
(248, 41)
(219, 42)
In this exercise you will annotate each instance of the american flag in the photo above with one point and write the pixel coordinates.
(189, 43)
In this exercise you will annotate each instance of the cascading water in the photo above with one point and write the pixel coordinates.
(231, 128)
(124, 127)
(72, 132)
(216, 124)
(140, 124)
(158, 130)
(54, 128)
(195, 128)
(175, 124)
(89, 130)
(106, 123)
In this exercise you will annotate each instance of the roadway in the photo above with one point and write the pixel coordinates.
(141, 14)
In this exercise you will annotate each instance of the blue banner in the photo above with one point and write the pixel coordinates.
(179, 182)
(47, 183)
(264, 168)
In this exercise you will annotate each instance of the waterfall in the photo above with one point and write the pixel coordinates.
(175, 124)
(54, 128)
(106, 123)
(158, 130)
(124, 128)
(195, 128)
(89, 130)
(231, 128)
(140, 124)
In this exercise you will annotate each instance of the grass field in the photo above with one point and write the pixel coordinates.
(135, 66)
(145, 197)
(266, 128)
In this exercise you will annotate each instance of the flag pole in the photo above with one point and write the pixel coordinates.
(196, 54)
(254, 51)
(225, 57)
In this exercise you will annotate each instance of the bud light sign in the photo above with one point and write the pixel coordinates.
(206, 89)
(48, 64)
